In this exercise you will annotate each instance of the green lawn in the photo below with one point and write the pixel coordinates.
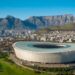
(7, 68)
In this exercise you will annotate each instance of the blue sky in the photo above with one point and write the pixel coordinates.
(26, 8)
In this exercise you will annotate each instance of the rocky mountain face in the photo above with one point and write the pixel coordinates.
(11, 22)
(35, 22)
(46, 21)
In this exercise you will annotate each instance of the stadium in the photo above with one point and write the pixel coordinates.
(45, 52)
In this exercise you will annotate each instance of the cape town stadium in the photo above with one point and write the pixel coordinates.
(45, 52)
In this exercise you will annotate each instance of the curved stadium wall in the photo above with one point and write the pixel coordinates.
(44, 57)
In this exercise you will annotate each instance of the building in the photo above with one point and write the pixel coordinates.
(45, 52)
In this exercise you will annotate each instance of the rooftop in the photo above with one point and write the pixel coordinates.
(45, 47)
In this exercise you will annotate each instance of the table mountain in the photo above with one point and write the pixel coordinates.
(35, 22)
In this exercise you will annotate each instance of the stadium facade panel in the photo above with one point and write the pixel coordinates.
(27, 51)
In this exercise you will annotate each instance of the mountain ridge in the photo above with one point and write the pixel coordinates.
(35, 22)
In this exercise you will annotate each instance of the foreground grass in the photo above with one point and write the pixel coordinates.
(12, 69)
(7, 68)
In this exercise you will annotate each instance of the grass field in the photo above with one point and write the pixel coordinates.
(7, 68)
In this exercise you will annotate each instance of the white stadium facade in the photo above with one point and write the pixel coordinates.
(45, 52)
